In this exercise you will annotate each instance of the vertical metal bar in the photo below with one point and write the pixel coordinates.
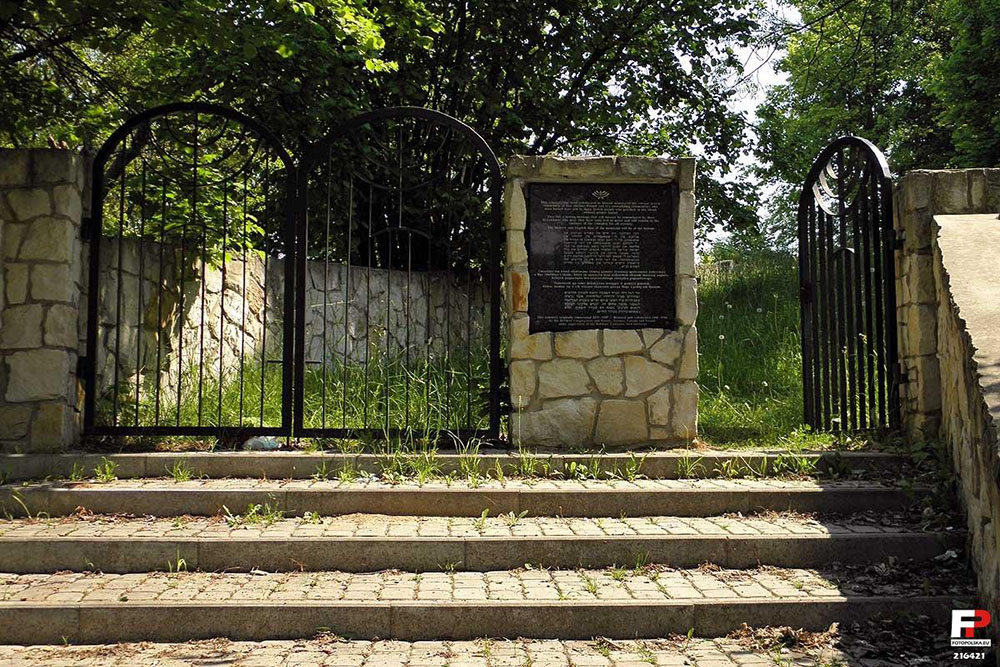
(857, 333)
(222, 294)
(159, 302)
(183, 263)
(841, 270)
(806, 306)
(409, 279)
(264, 243)
(848, 312)
(496, 244)
(829, 356)
(880, 312)
(468, 336)
(243, 308)
(326, 281)
(428, 337)
(892, 351)
(368, 302)
(447, 328)
(347, 297)
(118, 284)
(204, 289)
(814, 259)
(139, 280)
(872, 387)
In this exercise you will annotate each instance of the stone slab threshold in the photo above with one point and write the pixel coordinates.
(299, 465)
(563, 499)
(54, 623)
(130, 554)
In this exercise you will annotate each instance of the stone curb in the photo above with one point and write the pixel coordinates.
(124, 555)
(23, 623)
(582, 502)
(295, 465)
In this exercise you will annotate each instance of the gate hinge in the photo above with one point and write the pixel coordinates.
(900, 239)
(85, 223)
(805, 293)
(901, 377)
(82, 367)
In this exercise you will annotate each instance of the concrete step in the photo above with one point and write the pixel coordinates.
(671, 464)
(366, 543)
(531, 498)
(98, 608)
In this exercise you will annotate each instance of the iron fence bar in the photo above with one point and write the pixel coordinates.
(893, 418)
(159, 302)
(806, 305)
(204, 293)
(267, 256)
(870, 289)
(222, 298)
(139, 278)
(817, 362)
(857, 334)
(118, 285)
(243, 309)
(347, 299)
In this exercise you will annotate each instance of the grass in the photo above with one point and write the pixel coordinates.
(751, 363)
(423, 393)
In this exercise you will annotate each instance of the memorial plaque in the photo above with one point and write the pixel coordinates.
(601, 255)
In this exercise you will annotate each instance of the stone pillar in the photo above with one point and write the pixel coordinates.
(601, 387)
(919, 197)
(40, 212)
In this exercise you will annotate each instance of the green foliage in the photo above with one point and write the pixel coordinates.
(649, 77)
(860, 67)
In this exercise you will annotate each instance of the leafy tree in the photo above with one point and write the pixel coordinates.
(643, 76)
(861, 67)
(968, 82)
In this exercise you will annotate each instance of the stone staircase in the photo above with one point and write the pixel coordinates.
(282, 549)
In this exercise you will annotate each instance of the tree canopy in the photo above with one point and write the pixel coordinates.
(643, 76)
(919, 78)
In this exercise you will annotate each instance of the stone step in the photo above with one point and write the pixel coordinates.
(366, 543)
(324, 650)
(156, 497)
(97, 608)
(671, 464)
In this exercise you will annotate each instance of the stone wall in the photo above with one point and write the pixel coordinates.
(919, 196)
(968, 332)
(950, 341)
(143, 324)
(40, 212)
(601, 387)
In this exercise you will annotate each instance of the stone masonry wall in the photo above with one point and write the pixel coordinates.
(601, 387)
(919, 196)
(971, 435)
(143, 322)
(40, 212)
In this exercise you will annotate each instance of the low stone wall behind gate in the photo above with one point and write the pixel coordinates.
(143, 324)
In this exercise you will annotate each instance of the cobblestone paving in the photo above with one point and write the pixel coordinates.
(375, 525)
(516, 585)
(537, 653)
(484, 484)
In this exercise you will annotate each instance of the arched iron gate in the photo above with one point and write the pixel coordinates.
(189, 328)
(232, 293)
(405, 338)
(848, 290)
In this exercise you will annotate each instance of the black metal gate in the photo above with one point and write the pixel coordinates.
(232, 293)
(403, 335)
(848, 290)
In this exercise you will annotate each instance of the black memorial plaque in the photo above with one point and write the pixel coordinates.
(601, 255)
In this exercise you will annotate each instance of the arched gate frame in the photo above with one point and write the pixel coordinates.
(234, 293)
(847, 282)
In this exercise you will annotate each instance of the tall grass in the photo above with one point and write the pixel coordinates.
(448, 393)
(751, 363)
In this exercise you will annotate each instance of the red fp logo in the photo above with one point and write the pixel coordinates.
(964, 623)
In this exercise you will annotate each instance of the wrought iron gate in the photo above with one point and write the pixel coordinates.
(232, 293)
(404, 336)
(848, 290)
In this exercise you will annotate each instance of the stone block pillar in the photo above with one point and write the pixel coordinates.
(611, 388)
(919, 196)
(41, 194)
